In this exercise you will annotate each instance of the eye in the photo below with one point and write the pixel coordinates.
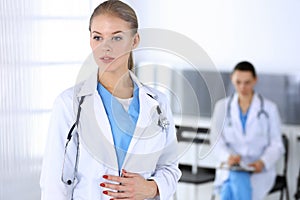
(247, 83)
(117, 38)
(97, 38)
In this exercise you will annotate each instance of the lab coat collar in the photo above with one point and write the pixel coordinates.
(255, 103)
(89, 86)
(148, 116)
(146, 89)
(252, 114)
(254, 108)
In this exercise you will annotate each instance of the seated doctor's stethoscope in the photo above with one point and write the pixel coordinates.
(250, 136)
(117, 139)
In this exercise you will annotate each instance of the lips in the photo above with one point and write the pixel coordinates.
(106, 59)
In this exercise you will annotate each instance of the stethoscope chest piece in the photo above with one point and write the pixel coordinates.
(163, 121)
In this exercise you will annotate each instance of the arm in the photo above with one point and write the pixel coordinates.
(51, 185)
(163, 182)
(275, 148)
(167, 173)
(220, 149)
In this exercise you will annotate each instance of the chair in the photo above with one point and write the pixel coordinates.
(297, 194)
(193, 174)
(281, 180)
(203, 175)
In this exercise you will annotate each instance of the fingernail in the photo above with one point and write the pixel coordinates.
(105, 176)
(102, 184)
(105, 192)
(124, 170)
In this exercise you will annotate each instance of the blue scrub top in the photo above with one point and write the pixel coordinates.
(243, 118)
(122, 122)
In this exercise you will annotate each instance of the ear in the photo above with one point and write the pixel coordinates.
(255, 80)
(231, 78)
(136, 40)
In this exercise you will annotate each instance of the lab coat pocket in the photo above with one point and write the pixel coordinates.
(261, 132)
(146, 150)
(89, 176)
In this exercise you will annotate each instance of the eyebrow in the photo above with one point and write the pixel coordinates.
(112, 33)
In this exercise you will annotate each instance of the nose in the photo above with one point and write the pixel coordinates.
(106, 46)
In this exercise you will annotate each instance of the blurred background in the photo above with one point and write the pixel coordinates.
(43, 44)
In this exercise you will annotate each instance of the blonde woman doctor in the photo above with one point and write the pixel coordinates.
(111, 137)
(246, 131)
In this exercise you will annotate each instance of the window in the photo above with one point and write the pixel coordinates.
(42, 46)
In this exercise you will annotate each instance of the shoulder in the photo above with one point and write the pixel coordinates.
(270, 107)
(268, 103)
(222, 102)
(156, 94)
(64, 104)
(220, 107)
(150, 91)
(65, 97)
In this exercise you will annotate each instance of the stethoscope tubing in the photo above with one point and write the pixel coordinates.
(69, 137)
(262, 111)
(163, 122)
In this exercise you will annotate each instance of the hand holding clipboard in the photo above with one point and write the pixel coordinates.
(237, 167)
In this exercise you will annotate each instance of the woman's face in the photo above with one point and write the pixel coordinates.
(112, 41)
(243, 82)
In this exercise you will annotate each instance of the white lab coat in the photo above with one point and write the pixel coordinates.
(151, 153)
(259, 141)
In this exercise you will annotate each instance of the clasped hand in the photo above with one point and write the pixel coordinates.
(130, 186)
(236, 159)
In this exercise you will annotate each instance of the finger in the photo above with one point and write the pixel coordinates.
(113, 178)
(117, 195)
(116, 187)
(128, 174)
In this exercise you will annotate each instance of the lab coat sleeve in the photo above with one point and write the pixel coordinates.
(275, 148)
(51, 185)
(167, 173)
(219, 148)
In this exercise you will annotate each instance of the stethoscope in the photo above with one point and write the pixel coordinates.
(261, 112)
(163, 122)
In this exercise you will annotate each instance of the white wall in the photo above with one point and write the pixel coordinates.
(42, 46)
(263, 32)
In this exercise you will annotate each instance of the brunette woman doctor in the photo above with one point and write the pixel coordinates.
(246, 129)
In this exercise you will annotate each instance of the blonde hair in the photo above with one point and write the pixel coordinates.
(121, 10)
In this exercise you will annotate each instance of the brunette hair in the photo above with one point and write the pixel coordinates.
(245, 66)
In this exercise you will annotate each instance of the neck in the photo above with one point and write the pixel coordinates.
(246, 98)
(118, 84)
(245, 101)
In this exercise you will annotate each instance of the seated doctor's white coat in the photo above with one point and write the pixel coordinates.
(257, 143)
(152, 151)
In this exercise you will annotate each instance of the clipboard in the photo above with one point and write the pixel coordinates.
(237, 167)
